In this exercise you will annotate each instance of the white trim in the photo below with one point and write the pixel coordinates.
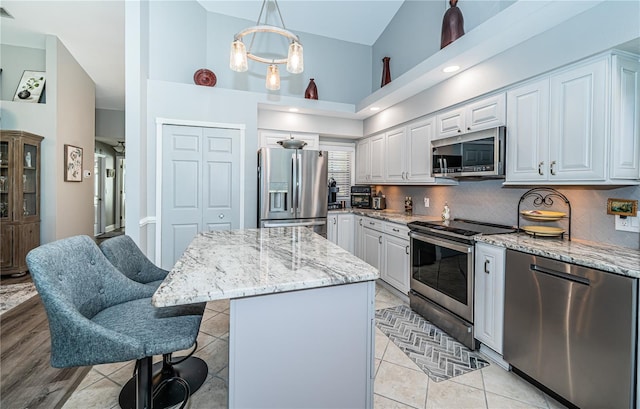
(160, 122)
(147, 220)
(494, 357)
(100, 155)
(109, 228)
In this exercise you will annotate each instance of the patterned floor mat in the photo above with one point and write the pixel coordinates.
(440, 356)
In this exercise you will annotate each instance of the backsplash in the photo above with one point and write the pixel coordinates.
(489, 201)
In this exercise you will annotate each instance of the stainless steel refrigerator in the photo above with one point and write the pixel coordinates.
(292, 188)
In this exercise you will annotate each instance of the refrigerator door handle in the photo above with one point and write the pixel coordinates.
(294, 224)
(298, 184)
(294, 178)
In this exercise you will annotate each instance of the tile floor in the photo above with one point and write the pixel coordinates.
(399, 383)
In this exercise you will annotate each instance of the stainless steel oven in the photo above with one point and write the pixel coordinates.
(442, 273)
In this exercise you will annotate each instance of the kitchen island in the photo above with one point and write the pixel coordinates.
(301, 315)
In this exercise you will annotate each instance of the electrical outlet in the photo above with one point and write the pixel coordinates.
(628, 223)
(426, 202)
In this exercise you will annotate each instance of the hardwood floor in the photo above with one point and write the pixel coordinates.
(27, 379)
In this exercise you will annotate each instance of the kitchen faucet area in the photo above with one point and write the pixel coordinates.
(362, 204)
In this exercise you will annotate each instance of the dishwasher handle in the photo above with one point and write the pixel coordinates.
(559, 274)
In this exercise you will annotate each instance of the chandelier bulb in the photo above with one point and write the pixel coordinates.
(295, 58)
(238, 57)
(273, 78)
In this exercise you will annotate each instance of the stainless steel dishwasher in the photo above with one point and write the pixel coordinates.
(572, 329)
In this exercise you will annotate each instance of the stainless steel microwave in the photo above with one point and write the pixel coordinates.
(476, 154)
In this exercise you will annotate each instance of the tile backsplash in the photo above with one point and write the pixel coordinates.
(489, 201)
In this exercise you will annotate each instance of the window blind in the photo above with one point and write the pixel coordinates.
(340, 168)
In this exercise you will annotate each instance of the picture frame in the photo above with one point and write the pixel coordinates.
(72, 163)
(622, 207)
(30, 87)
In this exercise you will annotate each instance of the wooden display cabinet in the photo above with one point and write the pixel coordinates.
(19, 199)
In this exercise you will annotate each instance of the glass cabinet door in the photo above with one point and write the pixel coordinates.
(28, 182)
(6, 181)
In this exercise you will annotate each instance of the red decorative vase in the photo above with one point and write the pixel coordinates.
(452, 25)
(312, 91)
(386, 72)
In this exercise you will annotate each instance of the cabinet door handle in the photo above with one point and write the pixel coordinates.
(335, 221)
(407, 175)
(402, 175)
(468, 128)
(459, 130)
(540, 168)
(372, 223)
(395, 230)
(553, 172)
(360, 222)
(406, 249)
(379, 239)
(486, 264)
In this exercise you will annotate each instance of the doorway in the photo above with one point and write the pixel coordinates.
(200, 185)
(99, 176)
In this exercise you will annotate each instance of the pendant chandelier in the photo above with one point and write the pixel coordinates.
(239, 53)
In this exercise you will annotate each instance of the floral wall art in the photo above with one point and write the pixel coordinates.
(72, 163)
(30, 87)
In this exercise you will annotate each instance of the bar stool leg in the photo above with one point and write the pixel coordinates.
(143, 383)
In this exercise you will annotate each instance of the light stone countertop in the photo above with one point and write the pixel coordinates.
(241, 263)
(387, 215)
(606, 257)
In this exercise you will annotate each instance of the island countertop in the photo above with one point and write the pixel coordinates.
(242, 263)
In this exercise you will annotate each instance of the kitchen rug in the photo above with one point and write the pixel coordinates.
(14, 294)
(436, 353)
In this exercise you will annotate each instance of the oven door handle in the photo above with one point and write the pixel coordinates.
(465, 248)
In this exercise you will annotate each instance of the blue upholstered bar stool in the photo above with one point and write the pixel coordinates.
(127, 257)
(97, 315)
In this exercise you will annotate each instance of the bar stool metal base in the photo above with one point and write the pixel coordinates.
(193, 370)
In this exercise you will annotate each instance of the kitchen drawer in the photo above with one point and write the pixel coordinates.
(398, 230)
(374, 224)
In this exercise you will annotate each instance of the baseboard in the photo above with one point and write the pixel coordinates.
(494, 357)
(393, 290)
(109, 228)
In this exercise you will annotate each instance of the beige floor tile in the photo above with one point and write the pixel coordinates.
(395, 355)
(212, 395)
(381, 305)
(216, 355)
(217, 326)
(218, 305)
(381, 341)
(376, 365)
(473, 379)
(92, 377)
(209, 313)
(100, 395)
(385, 296)
(451, 395)
(495, 401)
(380, 402)
(401, 384)
(107, 369)
(501, 382)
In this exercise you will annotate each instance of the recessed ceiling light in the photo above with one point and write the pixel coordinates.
(451, 68)
(375, 108)
(293, 109)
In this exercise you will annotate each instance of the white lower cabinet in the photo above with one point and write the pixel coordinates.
(489, 295)
(359, 236)
(386, 246)
(340, 230)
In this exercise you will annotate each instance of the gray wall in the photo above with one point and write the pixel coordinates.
(413, 35)
(489, 201)
(184, 38)
(14, 61)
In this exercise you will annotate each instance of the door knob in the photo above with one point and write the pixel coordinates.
(221, 216)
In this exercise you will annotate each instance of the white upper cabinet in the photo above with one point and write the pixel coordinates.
(528, 132)
(395, 155)
(625, 118)
(363, 160)
(485, 113)
(269, 139)
(378, 158)
(557, 126)
(577, 123)
(419, 135)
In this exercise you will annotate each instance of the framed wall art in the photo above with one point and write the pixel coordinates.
(30, 87)
(72, 163)
(622, 207)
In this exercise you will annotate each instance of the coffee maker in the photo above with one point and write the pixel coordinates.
(333, 190)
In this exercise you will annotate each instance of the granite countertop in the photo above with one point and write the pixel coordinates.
(388, 215)
(606, 257)
(241, 263)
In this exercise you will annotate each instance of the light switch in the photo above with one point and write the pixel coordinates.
(628, 223)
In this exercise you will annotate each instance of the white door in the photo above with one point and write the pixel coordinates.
(489, 295)
(378, 155)
(418, 151)
(395, 169)
(346, 232)
(120, 167)
(332, 228)
(363, 161)
(200, 186)
(99, 216)
(371, 246)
